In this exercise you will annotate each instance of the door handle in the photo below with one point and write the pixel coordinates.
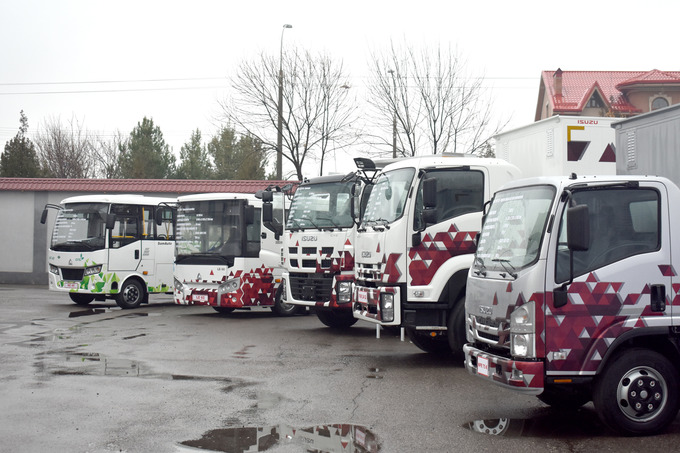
(657, 295)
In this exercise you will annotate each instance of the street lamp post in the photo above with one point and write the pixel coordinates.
(279, 129)
(394, 116)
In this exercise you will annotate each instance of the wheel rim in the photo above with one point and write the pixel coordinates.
(642, 394)
(131, 294)
(286, 307)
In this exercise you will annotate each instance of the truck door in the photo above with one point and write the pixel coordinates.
(125, 251)
(617, 281)
(459, 201)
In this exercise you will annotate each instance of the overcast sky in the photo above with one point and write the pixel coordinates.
(109, 64)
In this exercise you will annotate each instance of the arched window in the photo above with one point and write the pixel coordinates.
(659, 103)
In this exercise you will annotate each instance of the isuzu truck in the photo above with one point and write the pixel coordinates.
(574, 294)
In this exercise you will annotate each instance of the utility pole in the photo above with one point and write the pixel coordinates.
(279, 128)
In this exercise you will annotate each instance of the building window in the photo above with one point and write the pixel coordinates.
(595, 101)
(659, 103)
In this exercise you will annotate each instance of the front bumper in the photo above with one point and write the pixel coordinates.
(367, 306)
(523, 376)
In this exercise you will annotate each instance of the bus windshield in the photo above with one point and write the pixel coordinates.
(80, 227)
(324, 205)
(213, 227)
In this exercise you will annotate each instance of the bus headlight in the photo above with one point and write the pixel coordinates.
(93, 270)
(54, 269)
(344, 292)
(179, 286)
(522, 330)
(387, 307)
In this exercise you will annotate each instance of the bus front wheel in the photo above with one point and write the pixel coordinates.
(131, 295)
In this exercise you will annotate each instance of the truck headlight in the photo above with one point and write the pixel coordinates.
(179, 286)
(522, 330)
(344, 292)
(93, 270)
(387, 307)
(230, 286)
(54, 269)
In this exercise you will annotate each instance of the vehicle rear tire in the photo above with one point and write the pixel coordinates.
(284, 309)
(637, 393)
(433, 345)
(337, 319)
(455, 328)
(131, 295)
(81, 299)
(223, 310)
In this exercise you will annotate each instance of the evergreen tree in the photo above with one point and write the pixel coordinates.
(145, 155)
(237, 157)
(221, 149)
(195, 161)
(20, 159)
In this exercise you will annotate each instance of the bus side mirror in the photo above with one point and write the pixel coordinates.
(578, 228)
(43, 217)
(110, 221)
(250, 214)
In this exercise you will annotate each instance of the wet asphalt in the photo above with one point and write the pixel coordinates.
(170, 378)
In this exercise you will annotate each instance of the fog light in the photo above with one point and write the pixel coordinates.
(387, 307)
(520, 344)
(344, 292)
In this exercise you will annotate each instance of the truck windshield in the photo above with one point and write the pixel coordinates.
(80, 227)
(321, 206)
(388, 197)
(513, 229)
(212, 227)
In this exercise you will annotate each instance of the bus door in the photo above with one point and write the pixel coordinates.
(164, 243)
(125, 246)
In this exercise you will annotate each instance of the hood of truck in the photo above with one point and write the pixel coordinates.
(320, 251)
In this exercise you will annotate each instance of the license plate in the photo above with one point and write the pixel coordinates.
(362, 296)
(199, 298)
(71, 285)
(483, 366)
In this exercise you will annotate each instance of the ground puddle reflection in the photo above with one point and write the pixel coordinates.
(338, 438)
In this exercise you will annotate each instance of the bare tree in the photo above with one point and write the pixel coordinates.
(317, 109)
(434, 100)
(65, 151)
(107, 156)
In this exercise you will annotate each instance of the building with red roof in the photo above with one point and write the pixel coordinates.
(606, 93)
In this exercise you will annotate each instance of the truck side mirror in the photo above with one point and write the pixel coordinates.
(250, 214)
(578, 228)
(43, 217)
(267, 196)
(353, 202)
(267, 212)
(429, 214)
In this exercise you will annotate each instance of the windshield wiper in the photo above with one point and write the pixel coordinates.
(509, 268)
(482, 267)
(385, 224)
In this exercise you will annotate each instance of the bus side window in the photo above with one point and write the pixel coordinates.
(126, 229)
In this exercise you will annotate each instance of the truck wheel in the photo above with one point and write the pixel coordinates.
(564, 397)
(223, 310)
(81, 299)
(283, 309)
(131, 295)
(336, 319)
(433, 345)
(455, 328)
(637, 393)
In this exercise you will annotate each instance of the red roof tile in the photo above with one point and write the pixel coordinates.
(578, 87)
(169, 186)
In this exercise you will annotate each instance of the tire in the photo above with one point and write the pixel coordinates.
(455, 326)
(639, 378)
(223, 310)
(336, 319)
(81, 299)
(436, 345)
(131, 295)
(566, 398)
(283, 309)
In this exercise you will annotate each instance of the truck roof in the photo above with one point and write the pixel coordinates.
(563, 181)
(450, 159)
(216, 196)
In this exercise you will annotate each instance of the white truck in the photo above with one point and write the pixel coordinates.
(318, 246)
(227, 257)
(573, 293)
(416, 242)
(112, 246)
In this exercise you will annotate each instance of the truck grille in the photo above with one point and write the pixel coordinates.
(490, 331)
(369, 272)
(311, 287)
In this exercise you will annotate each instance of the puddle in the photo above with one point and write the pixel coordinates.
(582, 423)
(338, 438)
(91, 311)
